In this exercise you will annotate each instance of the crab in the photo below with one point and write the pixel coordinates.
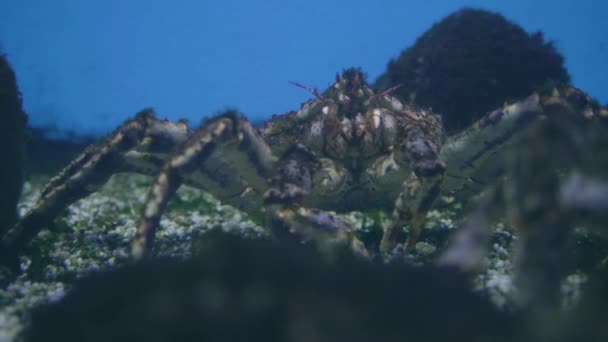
(348, 148)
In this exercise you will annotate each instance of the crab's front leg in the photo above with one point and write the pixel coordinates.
(169, 180)
(222, 131)
(300, 224)
(291, 221)
(419, 191)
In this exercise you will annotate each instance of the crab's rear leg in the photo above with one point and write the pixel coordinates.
(86, 174)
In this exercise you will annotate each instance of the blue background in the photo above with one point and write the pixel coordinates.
(87, 65)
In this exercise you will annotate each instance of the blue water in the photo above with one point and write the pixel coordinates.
(86, 66)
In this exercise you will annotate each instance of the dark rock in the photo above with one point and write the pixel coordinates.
(470, 63)
(12, 140)
(257, 291)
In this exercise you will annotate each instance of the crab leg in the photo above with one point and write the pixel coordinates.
(540, 200)
(299, 224)
(178, 170)
(291, 222)
(578, 194)
(470, 244)
(87, 173)
(418, 192)
(80, 178)
(473, 157)
(585, 194)
(541, 207)
(169, 179)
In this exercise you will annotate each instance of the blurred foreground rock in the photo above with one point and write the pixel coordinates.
(238, 290)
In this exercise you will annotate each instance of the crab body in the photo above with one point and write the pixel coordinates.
(351, 148)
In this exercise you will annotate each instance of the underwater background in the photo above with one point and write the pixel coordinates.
(72, 71)
(86, 66)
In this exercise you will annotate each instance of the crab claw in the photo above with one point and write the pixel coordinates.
(324, 228)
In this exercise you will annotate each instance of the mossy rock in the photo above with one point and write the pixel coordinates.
(12, 139)
(471, 62)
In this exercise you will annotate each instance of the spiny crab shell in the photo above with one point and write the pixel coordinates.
(359, 140)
